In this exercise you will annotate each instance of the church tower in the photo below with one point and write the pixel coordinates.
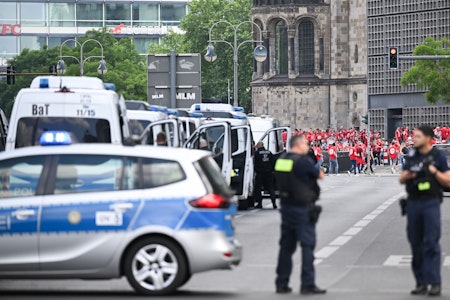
(315, 72)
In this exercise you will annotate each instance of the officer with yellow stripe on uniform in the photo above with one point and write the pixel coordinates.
(296, 176)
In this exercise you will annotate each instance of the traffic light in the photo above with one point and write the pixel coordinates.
(393, 58)
(10, 77)
(365, 119)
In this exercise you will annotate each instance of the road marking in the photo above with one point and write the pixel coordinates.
(326, 252)
(398, 260)
(353, 231)
(341, 240)
(447, 261)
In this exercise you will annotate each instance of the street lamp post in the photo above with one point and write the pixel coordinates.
(61, 66)
(259, 53)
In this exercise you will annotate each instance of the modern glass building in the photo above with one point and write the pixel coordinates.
(33, 24)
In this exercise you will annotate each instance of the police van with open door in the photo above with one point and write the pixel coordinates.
(233, 151)
(81, 106)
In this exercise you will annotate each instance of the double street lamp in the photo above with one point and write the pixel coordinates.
(61, 66)
(259, 53)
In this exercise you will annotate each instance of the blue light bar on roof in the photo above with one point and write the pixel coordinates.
(195, 115)
(240, 117)
(197, 107)
(109, 86)
(54, 138)
(172, 112)
(238, 109)
(159, 108)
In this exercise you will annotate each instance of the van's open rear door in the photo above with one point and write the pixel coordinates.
(273, 140)
(214, 137)
(169, 127)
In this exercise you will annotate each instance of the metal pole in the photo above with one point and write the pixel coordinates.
(235, 70)
(424, 57)
(81, 60)
(173, 79)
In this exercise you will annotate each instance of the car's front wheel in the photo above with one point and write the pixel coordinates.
(155, 266)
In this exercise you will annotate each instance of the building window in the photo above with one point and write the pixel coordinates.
(356, 54)
(8, 12)
(281, 48)
(306, 47)
(32, 42)
(8, 46)
(62, 14)
(142, 44)
(172, 14)
(116, 14)
(90, 15)
(322, 55)
(145, 14)
(33, 14)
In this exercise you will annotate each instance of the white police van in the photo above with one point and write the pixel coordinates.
(261, 124)
(233, 151)
(79, 105)
(100, 211)
(146, 125)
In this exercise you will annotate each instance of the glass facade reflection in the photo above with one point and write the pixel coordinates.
(32, 24)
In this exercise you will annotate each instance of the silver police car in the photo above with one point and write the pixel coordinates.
(156, 215)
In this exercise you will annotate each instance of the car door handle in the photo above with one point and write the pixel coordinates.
(23, 214)
(121, 207)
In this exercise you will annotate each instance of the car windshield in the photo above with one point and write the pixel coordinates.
(135, 105)
(82, 130)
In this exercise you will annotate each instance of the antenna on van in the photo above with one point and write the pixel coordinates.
(60, 82)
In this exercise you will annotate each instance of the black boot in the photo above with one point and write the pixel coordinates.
(434, 291)
(274, 203)
(420, 290)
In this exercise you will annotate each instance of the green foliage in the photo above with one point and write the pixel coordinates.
(202, 15)
(126, 68)
(433, 75)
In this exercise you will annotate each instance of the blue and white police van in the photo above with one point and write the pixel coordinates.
(82, 106)
(100, 211)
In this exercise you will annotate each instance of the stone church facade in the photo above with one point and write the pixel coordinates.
(315, 74)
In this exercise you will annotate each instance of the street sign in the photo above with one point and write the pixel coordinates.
(188, 80)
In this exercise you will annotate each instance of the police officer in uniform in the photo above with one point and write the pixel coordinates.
(426, 173)
(296, 177)
(264, 162)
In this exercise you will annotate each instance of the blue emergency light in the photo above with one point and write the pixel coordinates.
(55, 138)
(159, 108)
(238, 109)
(43, 83)
(109, 86)
(172, 112)
(240, 117)
(195, 115)
(197, 107)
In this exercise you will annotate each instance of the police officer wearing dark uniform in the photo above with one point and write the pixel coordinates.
(426, 173)
(264, 162)
(296, 176)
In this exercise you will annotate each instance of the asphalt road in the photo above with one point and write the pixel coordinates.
(362, 253)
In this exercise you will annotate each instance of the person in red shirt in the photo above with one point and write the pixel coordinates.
(352, 155)
(360, 157)
(398, 133)
(318, 153)
(334, 166)
(393, 156)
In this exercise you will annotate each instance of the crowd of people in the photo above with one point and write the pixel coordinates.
(364, 149)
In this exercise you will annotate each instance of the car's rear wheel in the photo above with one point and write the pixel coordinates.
(155, 266)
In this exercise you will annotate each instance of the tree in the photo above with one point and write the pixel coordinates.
(215, 76)
(433, 75)
(126, 68)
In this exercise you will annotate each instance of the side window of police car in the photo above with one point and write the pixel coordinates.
(95, 173)
(19, 177)
(159, 172)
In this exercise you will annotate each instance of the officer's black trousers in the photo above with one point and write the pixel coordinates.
(264, 179)
(296, 226)
(424, 232)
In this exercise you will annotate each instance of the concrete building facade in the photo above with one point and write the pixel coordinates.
(315, 73)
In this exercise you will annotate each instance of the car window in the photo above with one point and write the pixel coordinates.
(94, 173)
(82, 130)
(159, 172)
(19, 177)
(211, 176)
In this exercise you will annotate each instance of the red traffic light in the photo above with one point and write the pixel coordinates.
(393, 51)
